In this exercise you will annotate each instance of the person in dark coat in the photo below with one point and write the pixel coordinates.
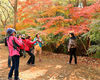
(72, 47)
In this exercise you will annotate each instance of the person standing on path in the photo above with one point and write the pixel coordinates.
(72, 47)
(12, 42)
(38, 46)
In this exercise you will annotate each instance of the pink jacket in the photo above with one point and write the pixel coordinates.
(13, 51)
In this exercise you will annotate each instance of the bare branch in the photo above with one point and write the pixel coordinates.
(6, 17)
(10, 7)
(11, 3)
(4, 11)
(1, 20)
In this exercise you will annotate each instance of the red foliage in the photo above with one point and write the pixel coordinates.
(85, 12)
(76, 13)
(28, 8)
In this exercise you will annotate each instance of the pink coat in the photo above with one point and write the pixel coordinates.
(13, 51)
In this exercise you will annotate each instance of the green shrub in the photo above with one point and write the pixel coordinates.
(94, 35)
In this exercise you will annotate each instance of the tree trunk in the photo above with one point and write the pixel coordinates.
(77, 3)
(15, 14)
(84, 3)
(69, 1)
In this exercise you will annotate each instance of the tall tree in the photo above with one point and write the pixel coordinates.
(4, 15)
(77, 2)
(84, 3)
(14, 5)
(15, 13)
(5, 11)
(69, 1)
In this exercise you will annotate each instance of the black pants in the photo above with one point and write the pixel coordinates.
(72, 52)
(32, 58)
(15, 68)
(9, 61)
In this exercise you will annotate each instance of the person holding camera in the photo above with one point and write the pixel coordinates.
(12, 42)
(28, 44)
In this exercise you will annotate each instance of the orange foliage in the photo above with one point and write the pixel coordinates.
(58, 21)
(85, 12)
(76, 14)
(3, 33)
(20, 26)
(30, 7)
(69, 19)
(52, 11)
(29, 21)
(61, 41)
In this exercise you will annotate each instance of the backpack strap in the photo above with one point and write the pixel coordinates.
(13, 42)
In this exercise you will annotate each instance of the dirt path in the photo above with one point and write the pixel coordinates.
(52, 67)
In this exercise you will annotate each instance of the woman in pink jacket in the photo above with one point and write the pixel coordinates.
(13, 44)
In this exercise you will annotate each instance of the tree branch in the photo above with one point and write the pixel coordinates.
(6, 17)
(11, 3)
(1, 20)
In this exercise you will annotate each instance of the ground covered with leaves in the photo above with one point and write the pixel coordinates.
(52, 67)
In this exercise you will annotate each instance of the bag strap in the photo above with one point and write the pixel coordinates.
(12, 45)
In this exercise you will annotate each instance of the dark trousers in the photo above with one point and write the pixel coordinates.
(72, 53)
(9, 61)
(15, 67)
(32, 58)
